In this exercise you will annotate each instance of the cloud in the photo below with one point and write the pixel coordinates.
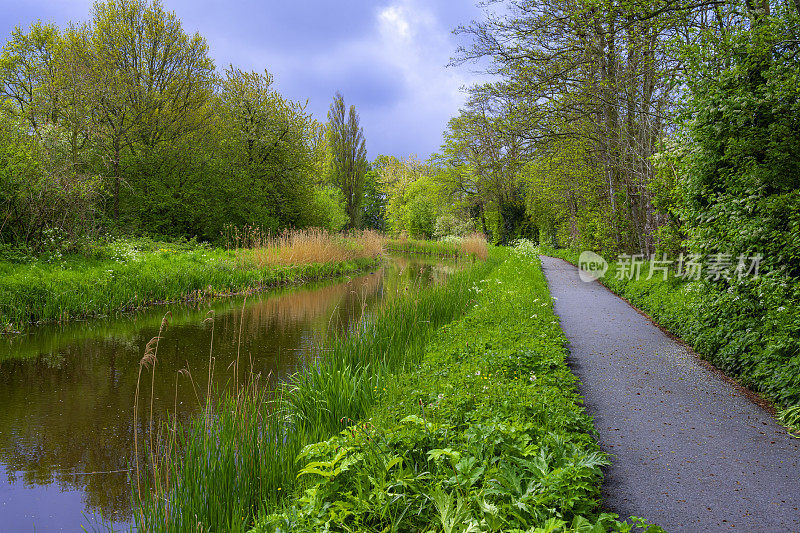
(411, 47)
(388, 58)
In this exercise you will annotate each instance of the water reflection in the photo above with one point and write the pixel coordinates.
(66, 392)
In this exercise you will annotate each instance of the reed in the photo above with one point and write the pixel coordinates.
(475, 245)
(228, 469)
(299, 247)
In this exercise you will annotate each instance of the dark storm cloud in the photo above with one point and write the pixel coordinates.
(388, 58)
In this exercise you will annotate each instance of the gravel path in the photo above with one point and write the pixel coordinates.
(690, 451)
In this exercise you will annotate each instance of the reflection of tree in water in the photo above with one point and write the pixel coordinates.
(56, 422)
(67, 413)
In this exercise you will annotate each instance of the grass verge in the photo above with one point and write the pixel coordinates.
(484, 432)
(126, 276)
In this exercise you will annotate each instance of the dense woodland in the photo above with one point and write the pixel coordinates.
(620, 126)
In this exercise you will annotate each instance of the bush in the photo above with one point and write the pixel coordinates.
(450, 225)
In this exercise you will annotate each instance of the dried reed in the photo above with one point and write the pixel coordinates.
(296, 247)
(475, 244)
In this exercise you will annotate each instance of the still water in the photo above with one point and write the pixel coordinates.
(66, 392)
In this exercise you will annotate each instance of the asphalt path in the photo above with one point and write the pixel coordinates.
(690, 451)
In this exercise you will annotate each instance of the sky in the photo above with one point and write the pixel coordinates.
(387, 57)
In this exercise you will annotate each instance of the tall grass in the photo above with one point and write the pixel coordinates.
(228, 469)
(475, 245)
(84, 287)
(299, 247)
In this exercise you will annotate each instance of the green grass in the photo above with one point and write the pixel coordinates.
(750, 330)
(233, 466)
(485, 431)
(85, 286)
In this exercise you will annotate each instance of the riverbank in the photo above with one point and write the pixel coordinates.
(129, 276)
(469, 416)
(751, 338)
(79, 378)
(255, 436)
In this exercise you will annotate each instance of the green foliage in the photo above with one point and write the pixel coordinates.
(419, 214)
(241, 464)
(348, 157)
(124, 126)
(373, 214)
(27, 73)
(483, 432)
(413, 196)
(136, 105)
(739, 184)
(791, 418)
(566, 202)
(42, 198)
(667, 199)
(728, 185)
(329, 208)
(415, 246)
(450, 225)
(477, 170)
(268, 155)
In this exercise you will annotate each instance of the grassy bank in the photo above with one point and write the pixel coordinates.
(750, 331)
(237, 463)
(485, 432)
(471, 246)
(128, 274)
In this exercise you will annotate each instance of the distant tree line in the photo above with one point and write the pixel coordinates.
(620, 126)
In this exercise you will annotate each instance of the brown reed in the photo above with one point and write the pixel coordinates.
(475, 244)
(293, 247)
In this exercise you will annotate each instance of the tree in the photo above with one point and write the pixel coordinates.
(605, 73)
(348, 156)
(373, 213)
(485, 159)
(738, 176)
(267, 148)
(151, 80)
(28, 74)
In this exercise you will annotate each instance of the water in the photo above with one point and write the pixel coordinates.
(67, 392)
